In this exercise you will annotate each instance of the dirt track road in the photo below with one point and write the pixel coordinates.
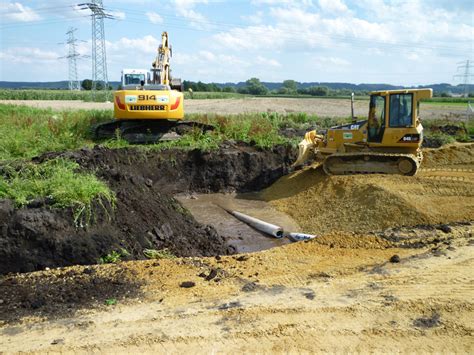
(320, 107)
(302, 297)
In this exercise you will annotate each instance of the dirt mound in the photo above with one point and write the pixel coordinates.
(322, 204)
(146, 214)
(454, 155)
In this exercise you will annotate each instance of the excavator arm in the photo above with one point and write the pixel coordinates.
(161, 65)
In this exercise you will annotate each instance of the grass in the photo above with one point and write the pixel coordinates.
(114, 257)
(32, 94)
(26, 132)
(100, 96)
(158, 254)
(58, 183)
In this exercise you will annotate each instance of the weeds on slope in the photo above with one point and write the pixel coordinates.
(56, 182)
(26, 132)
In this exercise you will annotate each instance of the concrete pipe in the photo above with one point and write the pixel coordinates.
(258, 224)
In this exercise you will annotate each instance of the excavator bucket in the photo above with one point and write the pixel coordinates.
(305, 148)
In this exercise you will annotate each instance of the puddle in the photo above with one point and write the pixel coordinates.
(206, 209)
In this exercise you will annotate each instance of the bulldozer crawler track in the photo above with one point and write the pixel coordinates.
(371, 163)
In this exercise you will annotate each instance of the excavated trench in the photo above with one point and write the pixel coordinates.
(146, 215)
(176, 199)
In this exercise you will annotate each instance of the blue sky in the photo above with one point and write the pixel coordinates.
(406, 42)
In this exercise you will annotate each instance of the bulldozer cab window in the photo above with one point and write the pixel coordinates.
(376, 118)
(134, 79)
(401, 110)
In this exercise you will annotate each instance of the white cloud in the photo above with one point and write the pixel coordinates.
(153, 17)
(127, 47)
(323, 61)
(16, 11)
(119, 15)
(186, 9)
(28, 55)
(335, 6)
(268, 62)
(256, 18)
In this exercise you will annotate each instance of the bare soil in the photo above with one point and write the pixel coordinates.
(390, 286)
(441, 192)
(310, 296)
(146, 215)
(320, 107)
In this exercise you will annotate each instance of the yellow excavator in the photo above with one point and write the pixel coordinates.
(149, 107)
(388, 142)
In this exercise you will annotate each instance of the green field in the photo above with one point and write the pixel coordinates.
(102, 96)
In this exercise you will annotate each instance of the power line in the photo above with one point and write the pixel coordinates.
(99, 56)
(465, 76)
(72, 57)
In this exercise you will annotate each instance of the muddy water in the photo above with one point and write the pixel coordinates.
(209, 209)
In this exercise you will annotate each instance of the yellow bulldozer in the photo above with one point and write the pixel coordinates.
(388, 142)
(149, 107)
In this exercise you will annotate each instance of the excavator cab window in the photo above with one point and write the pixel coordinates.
(401, 110)
(376, 118)
(134, 79)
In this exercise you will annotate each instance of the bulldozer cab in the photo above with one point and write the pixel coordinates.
(376, 122)
(401, 110)
(393, 113)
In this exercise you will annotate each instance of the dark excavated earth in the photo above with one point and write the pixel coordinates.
(146, 216)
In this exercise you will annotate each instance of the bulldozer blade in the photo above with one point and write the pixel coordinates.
(305, 152)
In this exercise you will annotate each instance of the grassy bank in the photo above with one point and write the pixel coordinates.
(57, 183)
(26, 132)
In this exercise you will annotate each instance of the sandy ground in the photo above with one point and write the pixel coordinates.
(303, 297)
(403, 290)
(441, 192)
(320, 107)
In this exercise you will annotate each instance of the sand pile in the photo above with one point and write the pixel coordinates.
(362, 203)
(454, 155)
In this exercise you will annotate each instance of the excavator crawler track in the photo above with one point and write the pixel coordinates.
(146, 131)
(371, 163)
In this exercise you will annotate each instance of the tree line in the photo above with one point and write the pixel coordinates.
(254, 86)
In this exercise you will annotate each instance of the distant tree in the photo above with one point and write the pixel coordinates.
(243, 90)
(86, 84)
(99, 85)
(255, 87)
(291, 86)
(283, 91)
(445, 94)
(318, 91)
(228, 89)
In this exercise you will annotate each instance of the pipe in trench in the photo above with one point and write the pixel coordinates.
(268, 228)
(262, 226)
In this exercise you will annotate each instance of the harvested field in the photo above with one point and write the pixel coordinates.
(320, 107)
(321, 203)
